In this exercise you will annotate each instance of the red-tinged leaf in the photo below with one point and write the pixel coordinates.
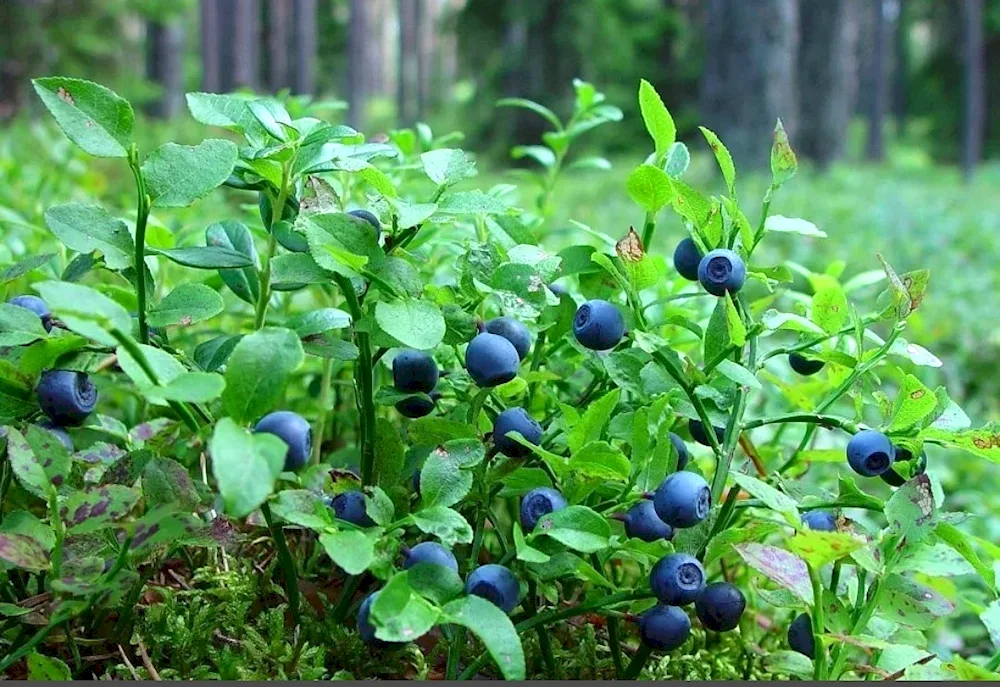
(779, 566)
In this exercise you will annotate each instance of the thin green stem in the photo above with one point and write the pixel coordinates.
(477, 537)
(828, 421)
(141, 219)
(835, 575)
(806, 345)
(994, 662)
(689, 390)
(346, 595)
(454, 652)
(319, 429)
(613, 641)
(544, 641)
(648, 229)
(638, 662)
(286, 562)
(819, 661)
(364, 379)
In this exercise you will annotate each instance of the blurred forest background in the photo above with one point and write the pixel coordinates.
(903, 68)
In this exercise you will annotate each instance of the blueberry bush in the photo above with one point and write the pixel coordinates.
(372, 428)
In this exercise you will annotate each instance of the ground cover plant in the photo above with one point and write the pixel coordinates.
(376, 430)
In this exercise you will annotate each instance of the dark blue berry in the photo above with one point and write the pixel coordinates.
(515, 420)
(677, 579)
(37, 306)
(687, 257)
(491, 360)
(643, 523)
(414, 372)
(349, 506)
(293, 430)
(368, 217)
(682, 451)
(496, 584)
(800, 636)
(722, 271)
(698, 433)
(513, 331)
(820, 520)
(416, 406)
(720, 606)
(68, 397)
(870, 453)
(365, 629)
(664, 627)
(804, 366)
(61, 434)
(683, 499)
(598, 325)
(430, 552)
(538, 502)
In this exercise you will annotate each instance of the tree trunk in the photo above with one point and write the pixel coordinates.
(826, 77)
(246, 44)
(304, 75)
(164, 66)
(211, 47)
(902, 67)
(361, 60)
(974, 119)
(279, 23)
(884, 11)
(749, 75)
(408, 72)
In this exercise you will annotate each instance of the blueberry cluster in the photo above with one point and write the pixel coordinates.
(872, 454)
(719, 271)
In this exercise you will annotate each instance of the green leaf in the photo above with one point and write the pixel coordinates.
(443, 482)
(226, 111)
(414, 323)
(781, 567)
(789, 662)
(271, 114)
(93, 509)
(792, 225)
(472, 203)
(302, 507)
(339, 242)
(957, 540)
(295, 270)
(315, 322)
(94, 117)
(821, 548)
(784, 164)
(494, 629)
(934, 560)
(444, 523)
(435, 583)
(177, 175)
(87, 228)
(411, 214)
(738, 374)
(659, 123)
(245, 465)
(591, 425)
(910, 510)
(47, 668)
(233, 236)
(352, 550)
(22, 551)
(258, 370)
(390, 453)
(85, 311)
(724, 159)
(774, 320)
(39, 460)
(165, 481)
(534, 107)
(186, 304)
(525, 552)
(600, 460)
(678, 159)
(983, 442)
(913, 604)
(722, 543)
(401, 615)
(577, 527)
(19, 326)
(649, 187)
(829, 304)
(991, 619)
(433, 431)
(772, 498)
(29, 264)
(448, 166)
(913, 403)
(205, 257)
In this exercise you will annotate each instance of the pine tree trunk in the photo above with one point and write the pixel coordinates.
(875, 148)
(246, 44)
(974, 119)
(361, 60)
(164, 66)
(749, 76)
(902, 67)
(408, 72)
(279, 24)
(826, 77)
(211, 48)
(304, 75)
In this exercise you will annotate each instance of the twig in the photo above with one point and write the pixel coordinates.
(149, 664)
(128, 663)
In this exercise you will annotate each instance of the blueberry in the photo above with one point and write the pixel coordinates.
(643, 523)
(368, 217)
(513, 331)
(515, 420)
(820, 520)
(664, 627)
(677, 579)
(683, 499)
(804, 366)
(682, 451)
(539, 502)
(414, 372)
(800, 636)
(496, 584)
(722, 271)
(491, 360)
(687, 257)
(430, 552)
(349, 506)
(720, 606)
(37, 306)
(365, 629)
(698, 433)
(68, 397)
(416, 406)
(870, 453)
(558, 289)
(598, 325)
(892, 478)
(293, 430)
(61, 434)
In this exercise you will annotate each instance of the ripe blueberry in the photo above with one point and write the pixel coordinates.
(598, 325)
(539, 502)
(677, 579)
(61, 434)
(683, 499)
(37, 306)
(804, 366)
(417, 406)
(349, 506)
(800, 636)
(365, 629)
(491, 360)
(414, 372)
(430, 552)
(368, 217)
(870, 453)
(698, 433)
(513, 331)
(820, 520)
(515, 420)
(892, 478)
(66, 396)
(664, 627)
(293, 430)
(642, 522)
(496, 584)
(722, 271)
(682, 451)
(720, 606)
(687, 257)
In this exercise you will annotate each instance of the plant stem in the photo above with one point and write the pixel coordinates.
(544, 641)
(994, 662)
(613, 642)
(865, 614)
(638, 662)
(141, 218)
(324, 408)
(277, 207)
(819, 662)
(699, 407)
(286, 562)
(835, 575)
(828, 421)
(346, 594)
(648, 229)
(364, 379)
(454, 654)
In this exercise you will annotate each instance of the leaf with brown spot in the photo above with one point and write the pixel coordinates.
(820, 548)
(22, 551)
(779, 566)
(629, 247)
(91, 509)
